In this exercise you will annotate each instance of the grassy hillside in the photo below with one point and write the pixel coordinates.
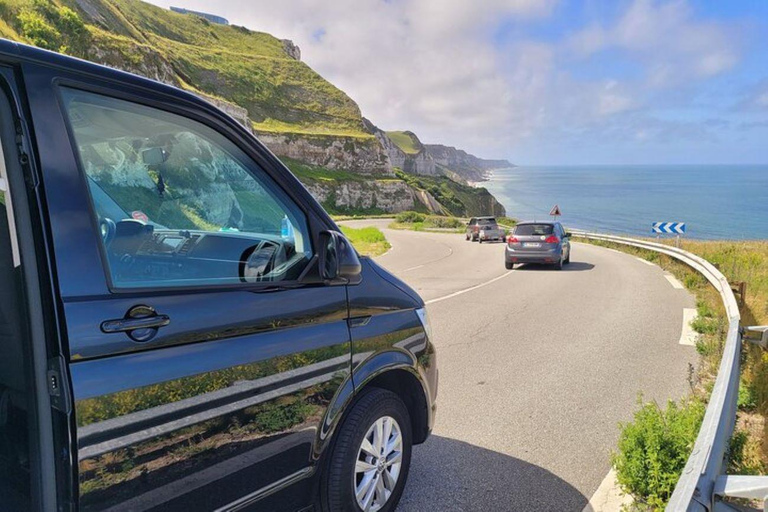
(459, 199)
(251, 69)
(406, 141)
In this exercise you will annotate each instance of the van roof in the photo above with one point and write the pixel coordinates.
(11, 50)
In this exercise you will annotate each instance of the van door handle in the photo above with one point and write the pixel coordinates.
(140, 323)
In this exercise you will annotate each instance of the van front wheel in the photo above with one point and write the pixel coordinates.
(371, 457)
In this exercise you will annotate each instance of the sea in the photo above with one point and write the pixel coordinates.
(716, 202)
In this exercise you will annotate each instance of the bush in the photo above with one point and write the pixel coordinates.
(436, 221)
(410, 217)
(39, 32)
(654, 447)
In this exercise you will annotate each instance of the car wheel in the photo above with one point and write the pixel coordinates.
(371, 456)
(559, 264)
(480, 240)
(509, 265)
(568, 259)
(466, 237)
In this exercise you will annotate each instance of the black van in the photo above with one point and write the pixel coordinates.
(182, 327)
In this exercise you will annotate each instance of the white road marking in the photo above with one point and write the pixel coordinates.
(608, 497)
(688, 335)
(643, 260)
(465, 290)
(414, 268)
(674, 282)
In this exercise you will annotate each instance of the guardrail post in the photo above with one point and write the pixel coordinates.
(740, 288)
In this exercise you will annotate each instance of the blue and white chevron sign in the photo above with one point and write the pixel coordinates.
(674, 228)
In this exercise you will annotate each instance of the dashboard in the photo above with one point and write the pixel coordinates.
(141, 255)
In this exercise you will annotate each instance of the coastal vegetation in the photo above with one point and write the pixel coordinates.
(458, 199)
(416, 221)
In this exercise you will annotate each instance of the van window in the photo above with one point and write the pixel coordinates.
(178, 204)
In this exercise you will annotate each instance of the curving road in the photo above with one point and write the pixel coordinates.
(537, 368)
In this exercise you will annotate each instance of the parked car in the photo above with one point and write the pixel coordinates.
(483, 229)
(538, 242)
(182, 326)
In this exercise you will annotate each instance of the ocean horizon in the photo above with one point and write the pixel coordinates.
(716, 202)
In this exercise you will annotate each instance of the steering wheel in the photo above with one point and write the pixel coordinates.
(107, 228)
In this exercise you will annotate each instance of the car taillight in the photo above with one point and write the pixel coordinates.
(552, 239)
(513, 240)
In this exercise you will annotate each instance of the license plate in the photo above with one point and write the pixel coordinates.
(531, 244)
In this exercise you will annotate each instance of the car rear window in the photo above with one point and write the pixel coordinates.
(485, 222)
(534, 229)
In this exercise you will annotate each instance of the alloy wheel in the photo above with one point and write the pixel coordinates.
(378, 464)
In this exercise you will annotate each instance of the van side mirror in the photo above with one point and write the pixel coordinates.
(338, 259)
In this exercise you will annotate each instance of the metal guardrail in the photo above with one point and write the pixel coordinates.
(702, 482)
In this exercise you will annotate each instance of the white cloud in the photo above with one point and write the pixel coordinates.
(665, 36)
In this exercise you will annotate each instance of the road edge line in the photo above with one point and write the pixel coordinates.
(688, 336)
(674, 282)
(608, 497)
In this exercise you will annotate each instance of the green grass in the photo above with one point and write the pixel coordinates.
(406, 141)
(242, 66)
(369, 241)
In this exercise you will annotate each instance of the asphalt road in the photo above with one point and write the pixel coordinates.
(537, 368)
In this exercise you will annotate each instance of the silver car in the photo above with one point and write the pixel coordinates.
(538, 242)
(484, 229)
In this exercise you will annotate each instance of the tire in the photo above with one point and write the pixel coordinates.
(559, 264)
(568, 259)
(509, 265)
(479, 240)
(466, 237)
(341, 479)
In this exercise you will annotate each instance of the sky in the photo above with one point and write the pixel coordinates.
(542, 81)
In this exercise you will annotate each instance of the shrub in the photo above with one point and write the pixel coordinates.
(410, 217)
(704, 325)
(437, 221)
(654, 447)
(39, 32)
